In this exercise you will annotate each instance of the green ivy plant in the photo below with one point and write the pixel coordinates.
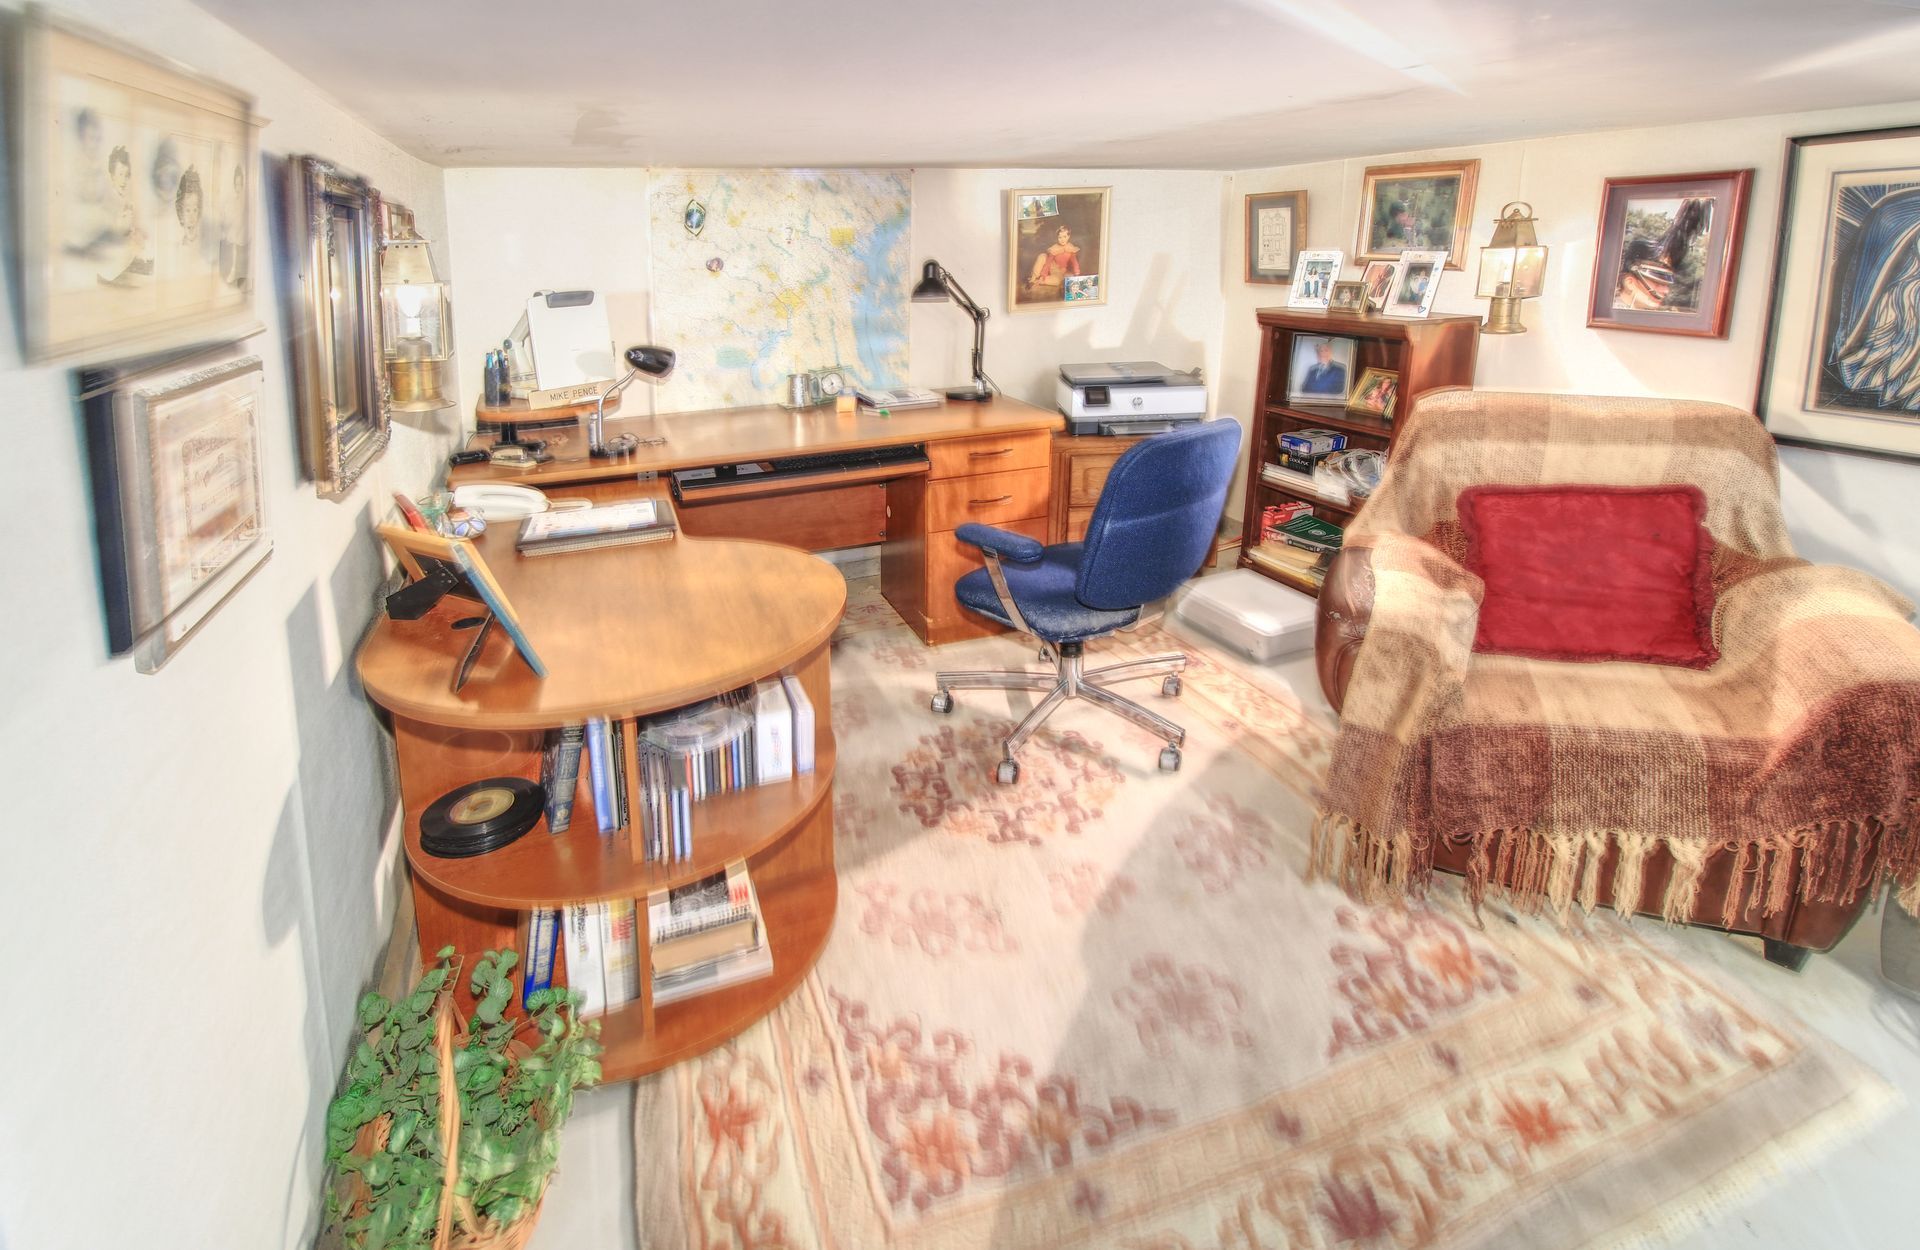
(514, 1097)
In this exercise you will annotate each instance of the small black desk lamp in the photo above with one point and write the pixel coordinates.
(935, 286)
(656, 363)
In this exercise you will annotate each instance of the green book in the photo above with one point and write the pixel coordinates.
(1311, 533)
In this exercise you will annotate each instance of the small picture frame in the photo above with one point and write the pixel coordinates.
(1349, 296)
(1376, 394)
(1320, 369)
(1416, 283)
(1314, 273)
(1276, 231)
(1378, 281)
(411, 547)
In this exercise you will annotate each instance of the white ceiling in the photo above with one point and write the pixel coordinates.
(1208, 84)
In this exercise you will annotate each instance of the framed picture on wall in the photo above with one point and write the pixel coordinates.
(1425, 207)
(1668, 252)
(1844, 326)
(174, 454)
(134, 181)
(1276, 231)
(1056, 247)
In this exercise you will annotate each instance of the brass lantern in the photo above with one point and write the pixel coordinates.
(1513, 267)
(416, 326)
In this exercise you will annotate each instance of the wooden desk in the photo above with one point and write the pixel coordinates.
(624, 631)
(986, 462)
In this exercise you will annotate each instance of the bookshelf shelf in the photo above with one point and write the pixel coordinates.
(1428, 355)
(624, 631)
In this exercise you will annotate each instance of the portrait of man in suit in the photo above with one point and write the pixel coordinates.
(1322, 369)
(1326, 376)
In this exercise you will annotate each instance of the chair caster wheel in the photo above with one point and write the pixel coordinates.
(942, 701)
(1170, 685)
(1169, 759)
(1007, 773)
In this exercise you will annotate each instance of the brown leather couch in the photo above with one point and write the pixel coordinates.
(1346, 603)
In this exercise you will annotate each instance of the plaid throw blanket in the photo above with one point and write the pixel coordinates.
(1798, 752)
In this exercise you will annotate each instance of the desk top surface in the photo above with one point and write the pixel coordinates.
(623, 631)
(729, 435)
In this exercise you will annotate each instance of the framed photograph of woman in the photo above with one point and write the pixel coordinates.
(1844, 328)
(1668, 252)
(1416, 283)
(1426, 207)
(1321, 370)
(1378, 280)
(1375, 394)
(135, 185)
(1276, 231)
(1056, 247)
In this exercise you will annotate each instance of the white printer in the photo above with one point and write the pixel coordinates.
(1130, 397)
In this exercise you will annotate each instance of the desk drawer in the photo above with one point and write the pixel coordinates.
(990, 498)
(996, 453)
(949, 560)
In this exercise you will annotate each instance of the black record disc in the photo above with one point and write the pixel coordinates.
(480, 817)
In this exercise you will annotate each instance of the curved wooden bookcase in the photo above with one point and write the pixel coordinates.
(624, 631)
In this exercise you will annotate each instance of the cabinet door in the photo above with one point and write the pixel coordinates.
(1086, 475)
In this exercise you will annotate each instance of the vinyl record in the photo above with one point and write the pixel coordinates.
(481, 816)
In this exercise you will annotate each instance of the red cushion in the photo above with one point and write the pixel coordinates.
(1593, 572)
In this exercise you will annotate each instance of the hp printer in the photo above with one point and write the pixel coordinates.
(1130, 397)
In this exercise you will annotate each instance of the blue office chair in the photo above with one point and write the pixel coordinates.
(1150, 531)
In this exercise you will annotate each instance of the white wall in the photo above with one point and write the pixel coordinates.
(515, 231)
(1841, 508)
(199, 869)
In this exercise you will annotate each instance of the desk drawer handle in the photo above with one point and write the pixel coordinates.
(988, 455)
(987, 503)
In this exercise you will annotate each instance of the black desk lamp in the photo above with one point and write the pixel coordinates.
(656, 363)
(935, 286)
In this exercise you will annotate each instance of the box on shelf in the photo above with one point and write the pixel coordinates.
(1255, 615)
(1311, 444)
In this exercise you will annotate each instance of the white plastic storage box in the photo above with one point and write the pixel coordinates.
(1254, 615)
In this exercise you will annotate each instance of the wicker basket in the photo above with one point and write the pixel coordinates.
(375, 1134)
(471, 1231)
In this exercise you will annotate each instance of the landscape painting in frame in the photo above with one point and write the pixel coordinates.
(1426, 207)
(1057, 248)
(1668, 251)
(135, 182)
(1842, 368)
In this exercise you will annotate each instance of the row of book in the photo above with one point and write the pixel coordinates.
(701, 937)
(756, 735)
(1296, 543)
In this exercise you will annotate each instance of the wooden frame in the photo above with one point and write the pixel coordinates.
(410, 546)
(1349, 296)
(1373, 227)
(1825, 383)
(1035, 215)
(333, 290)
(135, 196)
(1714, 247)
(178, 504)
(1376, 393)
(1268, 233)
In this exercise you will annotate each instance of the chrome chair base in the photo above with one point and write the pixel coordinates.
(1072, 680)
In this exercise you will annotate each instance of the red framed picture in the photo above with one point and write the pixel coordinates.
(1668, 253)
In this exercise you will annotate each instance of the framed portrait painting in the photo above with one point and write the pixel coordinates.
(174, 454)
(1844, 328)
(1668, 251)
(1056, 247)
(1425, 207)
(1276, 231)
(135, 188)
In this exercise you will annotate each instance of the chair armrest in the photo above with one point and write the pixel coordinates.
(1340, 622)
(1003, 543)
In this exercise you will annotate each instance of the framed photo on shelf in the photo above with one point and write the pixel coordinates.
(174, 453)
(1844, 324)
(1057, 247)
(1425, 207)
(1378, 282)
(1321, 369)
(1376, 393)
(1416, 281)
(1314, 274)
(418, 552)
(1348, 297)
(1668, 252)
(1276, 231)
(134, 184)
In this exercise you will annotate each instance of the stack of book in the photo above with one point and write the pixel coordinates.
(706, 936)
(1298, 548)
(584, 529)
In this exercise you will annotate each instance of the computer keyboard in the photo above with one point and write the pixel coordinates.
(818, 465)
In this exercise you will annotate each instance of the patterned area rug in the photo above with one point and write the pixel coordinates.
(1102, 1009)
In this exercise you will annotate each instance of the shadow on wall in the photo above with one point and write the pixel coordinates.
(323, 884)
(1150, 332)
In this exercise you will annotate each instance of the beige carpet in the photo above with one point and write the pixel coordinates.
(1102, 1009)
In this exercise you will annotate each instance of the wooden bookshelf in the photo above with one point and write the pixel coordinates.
(1436, 353)
(625, 632)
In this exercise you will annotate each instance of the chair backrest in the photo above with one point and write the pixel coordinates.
(1461, 438)
(1157, 515)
